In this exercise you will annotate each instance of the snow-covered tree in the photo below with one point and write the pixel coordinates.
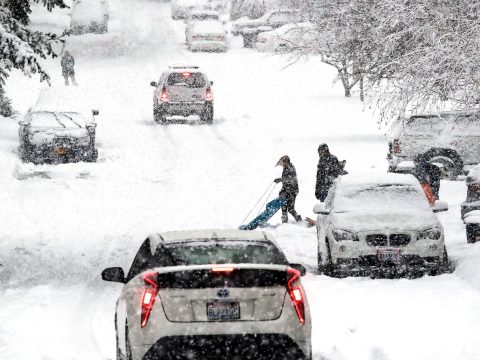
(251, 8)
(20, 47)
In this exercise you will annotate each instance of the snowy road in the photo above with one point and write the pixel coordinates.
(58, 233)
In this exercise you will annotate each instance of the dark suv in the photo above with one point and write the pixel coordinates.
(183, 91)
(471, 206)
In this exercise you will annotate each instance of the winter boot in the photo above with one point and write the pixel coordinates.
(284, 219)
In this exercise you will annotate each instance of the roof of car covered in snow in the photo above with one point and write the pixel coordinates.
(208, 27)
(62, 100)
(192, 235)
(378, 179)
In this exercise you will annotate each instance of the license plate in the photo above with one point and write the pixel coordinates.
(59, 151)
(389, 255)
(223, 311)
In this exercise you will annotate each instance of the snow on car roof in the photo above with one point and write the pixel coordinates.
(287, 27)
(88, 11)
(203, 12)
(192, 235)
(378, 179)
(208, 27)
(62, 100)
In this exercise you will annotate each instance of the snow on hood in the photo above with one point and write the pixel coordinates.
(208, 27)
(472, 217)
(380, 202)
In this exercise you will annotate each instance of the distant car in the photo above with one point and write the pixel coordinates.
(199, 15)
(286, 37)
(470, 208)
(89, 16)
(218, 5)
(183, 91)
(57, 131)
(379, 224)
(209, 35)
(249, 29)
(179, 8)
(449, 139)
(211, 294)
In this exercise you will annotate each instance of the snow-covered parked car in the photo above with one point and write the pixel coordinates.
(286, 37)
(199, 15)
(470, 208)
(56, 130)
(211, 294)
(183, 91)
(250, 28)
(180, 8)
(379, 223)
(210, 35)
(449, 139)
(89, 16)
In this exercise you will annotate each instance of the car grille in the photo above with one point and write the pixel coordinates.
(377, 240)
(383, 240)
(399, 239)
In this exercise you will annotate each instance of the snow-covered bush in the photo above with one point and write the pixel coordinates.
(6, 109)
(250, 8)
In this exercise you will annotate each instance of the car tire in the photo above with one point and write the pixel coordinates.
(451, 161)
(93, 156)
(329, 268)
(248, 40)
(207, 114)
(159, 116)
(471, 233)
(23, 154)
(129, 355)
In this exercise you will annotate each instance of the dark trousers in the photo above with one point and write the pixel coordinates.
(322, 191)
(289, 207)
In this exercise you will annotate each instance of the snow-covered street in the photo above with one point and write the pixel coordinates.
(60, 228)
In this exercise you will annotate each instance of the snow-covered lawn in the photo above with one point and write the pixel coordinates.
(60, 226)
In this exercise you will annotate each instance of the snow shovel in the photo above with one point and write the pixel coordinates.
(271, 208)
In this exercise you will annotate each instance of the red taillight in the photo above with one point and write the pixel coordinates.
(296, 294)
(148, 296)
(164, 95)
(209, 95)
(222, 269)
(474, 188)
(396, 146)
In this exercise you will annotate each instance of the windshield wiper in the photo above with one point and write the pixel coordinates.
(71, 119)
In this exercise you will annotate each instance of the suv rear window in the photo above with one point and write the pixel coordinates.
(186, 79)
(220, 252)
(424, 124)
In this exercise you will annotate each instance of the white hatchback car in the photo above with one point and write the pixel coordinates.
(211, 294)
(379, 223)
(209, 35)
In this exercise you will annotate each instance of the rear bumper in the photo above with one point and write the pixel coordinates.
(238, 346)
(183, 109)
(206, 45)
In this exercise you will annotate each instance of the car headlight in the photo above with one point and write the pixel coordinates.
(342, 235)
(430, 234)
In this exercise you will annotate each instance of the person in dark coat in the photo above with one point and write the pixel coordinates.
(68, 68)
(289, 189)
(428, 173)
(328, 169)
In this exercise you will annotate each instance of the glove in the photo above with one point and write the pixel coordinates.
(277, 180)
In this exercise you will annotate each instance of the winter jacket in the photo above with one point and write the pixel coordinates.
(428, 173)
(328, 169)
(289, 182)
(68, 63)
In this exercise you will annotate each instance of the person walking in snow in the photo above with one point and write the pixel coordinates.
(428, 173)
(289, 189)
(68, 70)
(328, 169)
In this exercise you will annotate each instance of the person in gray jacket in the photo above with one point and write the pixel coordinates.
(68, 68)
(289, 189)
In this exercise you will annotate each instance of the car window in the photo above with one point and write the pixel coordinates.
(425, 125)
(473, 192)
(361, 197)
(187, 79)
(142, 260)
(219, 252)
(466, 125)
(202, 17)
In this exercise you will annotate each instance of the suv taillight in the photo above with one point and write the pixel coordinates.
(148, 296)
(296, 293)
(164, 95)
(209, 95)
(396, 146)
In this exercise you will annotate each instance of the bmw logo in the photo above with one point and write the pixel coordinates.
(223, 293)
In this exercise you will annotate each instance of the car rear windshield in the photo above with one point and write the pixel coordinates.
(187, 79)
(200, 17)
(381, 196)
(220, 252)
(425, 124)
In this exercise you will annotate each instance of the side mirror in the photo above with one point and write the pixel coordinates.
(299, 267)
(211, 83)
(22, 123)
(95, 112)
(439, 206)
(321, 209)
(153, 83)
(114, 274)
